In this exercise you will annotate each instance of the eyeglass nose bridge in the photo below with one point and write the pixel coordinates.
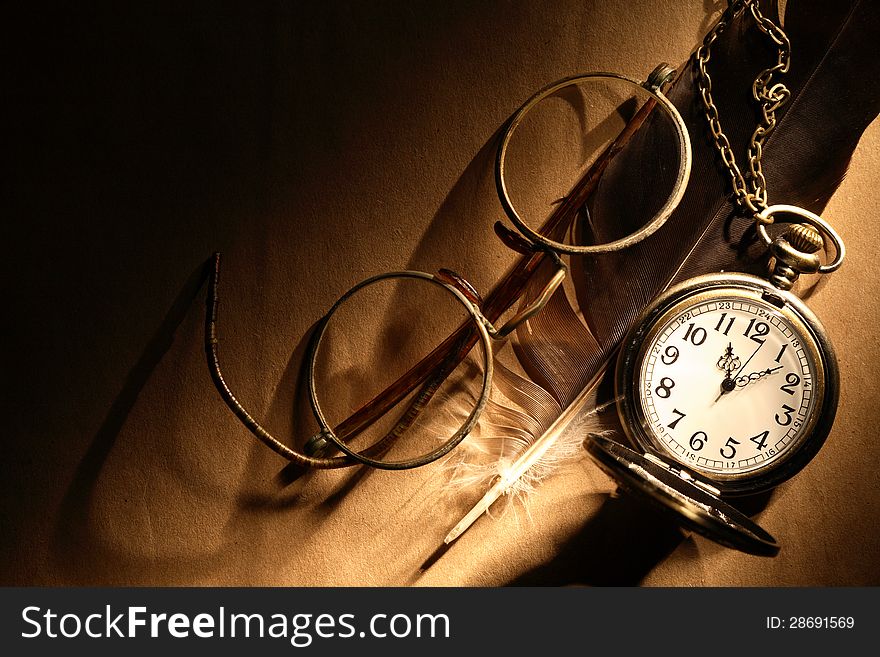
(535, 306)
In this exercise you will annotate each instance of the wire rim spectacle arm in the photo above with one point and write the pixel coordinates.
(212, 352)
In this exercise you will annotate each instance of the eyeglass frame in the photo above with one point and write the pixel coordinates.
(527, 240)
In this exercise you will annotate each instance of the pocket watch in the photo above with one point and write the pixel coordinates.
(727, 384)
(733, 376)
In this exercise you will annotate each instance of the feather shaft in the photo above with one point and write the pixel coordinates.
(533, 454)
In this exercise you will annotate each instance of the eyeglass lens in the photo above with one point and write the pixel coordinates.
(376, 335)
(563, 135)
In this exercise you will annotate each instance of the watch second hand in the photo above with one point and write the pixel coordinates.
(743, 366)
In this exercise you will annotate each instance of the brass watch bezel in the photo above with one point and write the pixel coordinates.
(815, 338)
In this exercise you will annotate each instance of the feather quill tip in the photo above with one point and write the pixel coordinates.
(496, 491)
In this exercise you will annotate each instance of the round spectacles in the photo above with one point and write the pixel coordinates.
(419, 385)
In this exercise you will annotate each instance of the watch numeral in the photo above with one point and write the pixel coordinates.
(670, 355)
(761, 439)
(788, 410)
(781, 351)
(791, 380)
(665, 389)
(721, 321)
(729, 444)
(698, 443)
(761, 329)
(680, 415)
(697, 336)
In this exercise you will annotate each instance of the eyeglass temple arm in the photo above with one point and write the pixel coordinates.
(212, 352)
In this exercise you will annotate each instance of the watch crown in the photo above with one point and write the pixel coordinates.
(795, 254)
(804, 238)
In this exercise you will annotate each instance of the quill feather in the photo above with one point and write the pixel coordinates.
(805, 160)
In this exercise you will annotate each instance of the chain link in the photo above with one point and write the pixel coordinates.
(750, 191)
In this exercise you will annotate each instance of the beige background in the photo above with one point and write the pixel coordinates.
(315, 144)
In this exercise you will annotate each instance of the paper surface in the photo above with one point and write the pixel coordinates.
(315, 146)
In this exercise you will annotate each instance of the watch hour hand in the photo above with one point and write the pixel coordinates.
(728, 362)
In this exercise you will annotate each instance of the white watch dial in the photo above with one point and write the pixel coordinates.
(727, 385)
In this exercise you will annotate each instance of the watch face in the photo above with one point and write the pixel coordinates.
(729, 382)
